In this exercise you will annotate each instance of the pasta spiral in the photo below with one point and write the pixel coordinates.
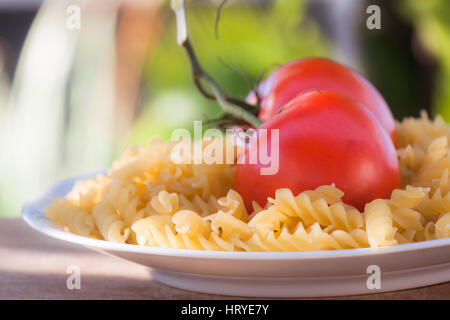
(309, 208)
(442, 226)
(161, 231)
(379, 224)
(303, 240)
(77, 220)
(111, 226)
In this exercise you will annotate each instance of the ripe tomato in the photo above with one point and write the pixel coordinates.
(324, 138)
(297, 76)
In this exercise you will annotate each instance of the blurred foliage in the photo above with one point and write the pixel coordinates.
(252, 38)
(432, 21)
(64, 97)
(4, 92)
(392, 66)
(408, 60)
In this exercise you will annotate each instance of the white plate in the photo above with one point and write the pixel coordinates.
(267, 274)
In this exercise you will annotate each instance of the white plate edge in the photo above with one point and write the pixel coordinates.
(37, 220)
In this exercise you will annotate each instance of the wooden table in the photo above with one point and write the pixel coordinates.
(33, 266)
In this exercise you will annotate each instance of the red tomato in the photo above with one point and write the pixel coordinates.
(297, 76)
(324, 138)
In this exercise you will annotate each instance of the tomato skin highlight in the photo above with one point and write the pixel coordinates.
(298, 76)
(324, 138)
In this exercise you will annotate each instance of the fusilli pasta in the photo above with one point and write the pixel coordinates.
(149, 197)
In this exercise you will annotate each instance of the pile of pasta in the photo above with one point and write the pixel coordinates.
(147, 199)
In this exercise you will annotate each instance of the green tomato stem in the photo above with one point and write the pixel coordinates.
(235, 107)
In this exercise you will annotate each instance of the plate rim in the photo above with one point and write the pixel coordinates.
(34, 216)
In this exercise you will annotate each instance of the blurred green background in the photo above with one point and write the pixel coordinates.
(72, 99)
